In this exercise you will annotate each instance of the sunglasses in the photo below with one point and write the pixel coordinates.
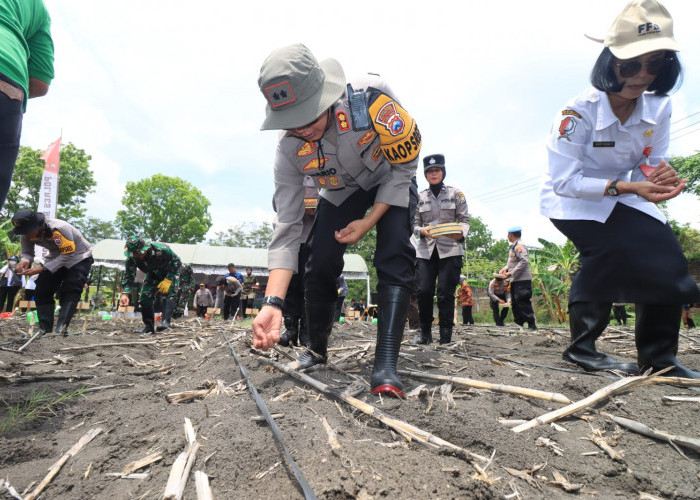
(628, 69)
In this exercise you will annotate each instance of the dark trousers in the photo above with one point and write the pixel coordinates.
(393, 258)
(231, 303)
(67, 282)
(339, 307)
(294, 301)
(245, 304)
(499, 316)
(521, 292)
(446, 271)
(10, 131)
(467, 318)
(7, 294)
(201, 311)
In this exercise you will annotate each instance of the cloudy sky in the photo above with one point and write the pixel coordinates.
(150, 87)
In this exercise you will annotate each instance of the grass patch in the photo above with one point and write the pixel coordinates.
(37, 405)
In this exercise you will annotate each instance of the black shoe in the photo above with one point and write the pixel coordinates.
(65, 314)
(445, 335)
(426, 335)
(656, 332)
(168, 309)
(45, 314)
(392, 307)
(587, 321)
(291, 333)
(147, 318)
(319, 320)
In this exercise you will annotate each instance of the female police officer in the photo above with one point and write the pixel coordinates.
(360, 157)
(601, 189)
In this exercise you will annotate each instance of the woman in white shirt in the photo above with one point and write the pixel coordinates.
(607, 171)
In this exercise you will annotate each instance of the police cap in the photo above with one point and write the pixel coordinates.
(26, 221)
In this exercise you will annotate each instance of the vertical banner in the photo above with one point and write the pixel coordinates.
(48, 192)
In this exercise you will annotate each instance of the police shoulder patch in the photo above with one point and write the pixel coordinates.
(64, 245)
(399, 136)
(570, 112)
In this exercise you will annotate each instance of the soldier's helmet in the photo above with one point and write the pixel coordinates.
(136, 244)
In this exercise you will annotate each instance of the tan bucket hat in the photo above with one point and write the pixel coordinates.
(297, 88)
(643, 26)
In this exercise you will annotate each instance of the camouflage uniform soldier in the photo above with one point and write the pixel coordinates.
(250, 284)
(186, 289)
(162, 268)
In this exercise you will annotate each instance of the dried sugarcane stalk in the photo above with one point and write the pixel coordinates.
(201, 482)
(603, 445)
(402, 427)
(621, 385)
(480, 384)
(89, 436)
(181, 397)
(687, 442)
(139, 464)
(34, 337)
(332, 438)
(177, 479)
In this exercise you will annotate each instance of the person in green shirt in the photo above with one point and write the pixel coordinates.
(26, 71)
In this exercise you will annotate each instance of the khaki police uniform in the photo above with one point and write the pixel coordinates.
(521, 284)
(67, 265)
(439, 258)
(353, 170)
(498, 289)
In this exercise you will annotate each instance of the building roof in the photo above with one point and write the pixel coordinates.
(208, 259)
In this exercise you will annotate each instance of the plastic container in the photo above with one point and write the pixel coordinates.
(107, 316)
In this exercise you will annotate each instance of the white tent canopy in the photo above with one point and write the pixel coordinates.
(210, 260)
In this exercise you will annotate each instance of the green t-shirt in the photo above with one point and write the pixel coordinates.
(26, 48)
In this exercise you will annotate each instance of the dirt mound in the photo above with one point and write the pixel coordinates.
(126, 383)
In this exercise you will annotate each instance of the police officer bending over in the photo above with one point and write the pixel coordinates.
(66, 267)
(361, 149)
(162, 268)
(438, 258)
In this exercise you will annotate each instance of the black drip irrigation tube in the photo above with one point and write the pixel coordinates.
(301, 480)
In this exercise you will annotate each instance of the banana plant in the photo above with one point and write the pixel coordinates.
(8, 246)
(556, 266)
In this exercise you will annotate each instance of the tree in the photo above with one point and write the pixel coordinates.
(688, 238)
(166, 209)
(688, 167)
(95, 229)
(244, 235)
(75, 182)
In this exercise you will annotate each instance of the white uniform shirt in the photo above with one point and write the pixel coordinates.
(588, 146)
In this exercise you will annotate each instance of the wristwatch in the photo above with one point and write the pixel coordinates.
(273, 301)
(612, 189)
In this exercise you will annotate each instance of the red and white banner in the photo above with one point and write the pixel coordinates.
(48, 192)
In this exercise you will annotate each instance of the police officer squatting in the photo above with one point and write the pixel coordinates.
(360, 146)
(65, 270)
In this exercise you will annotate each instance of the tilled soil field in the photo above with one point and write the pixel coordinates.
(448, 439)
